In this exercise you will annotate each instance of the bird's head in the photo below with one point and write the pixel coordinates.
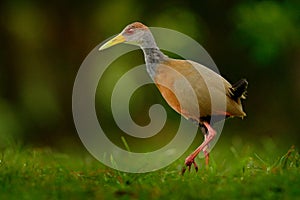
(135, 33)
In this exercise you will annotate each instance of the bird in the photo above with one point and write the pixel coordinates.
(171, 77)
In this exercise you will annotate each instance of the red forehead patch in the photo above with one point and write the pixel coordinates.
(137, 25)
(131, 28)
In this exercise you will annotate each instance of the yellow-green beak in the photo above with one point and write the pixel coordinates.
(116, 40)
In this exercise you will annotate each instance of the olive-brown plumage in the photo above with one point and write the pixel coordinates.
(191, 89)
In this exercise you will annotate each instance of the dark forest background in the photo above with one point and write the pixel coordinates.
(44, 43)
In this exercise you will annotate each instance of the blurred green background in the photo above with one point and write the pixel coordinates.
(44, 43)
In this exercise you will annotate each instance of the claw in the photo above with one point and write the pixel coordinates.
(188, 163)
(196, 166)
(183, 170)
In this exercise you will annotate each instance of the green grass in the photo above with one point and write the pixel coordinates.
(234, 173)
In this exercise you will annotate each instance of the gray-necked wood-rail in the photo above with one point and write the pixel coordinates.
(168, 73)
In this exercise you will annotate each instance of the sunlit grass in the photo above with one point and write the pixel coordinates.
(31, 173)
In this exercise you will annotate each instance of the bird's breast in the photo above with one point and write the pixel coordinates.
(165, 84)
(176, 90)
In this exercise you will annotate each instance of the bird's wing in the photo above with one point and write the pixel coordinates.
(199, 91)
(220, 90)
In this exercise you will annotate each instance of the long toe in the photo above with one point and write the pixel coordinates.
(196, 166)
(189, 161)
(183, 170)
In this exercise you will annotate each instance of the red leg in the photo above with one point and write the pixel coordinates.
(190, 160)
(206, 148)
(206, 158)
(206, 154)
(206, 151)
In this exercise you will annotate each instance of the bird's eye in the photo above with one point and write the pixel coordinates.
(130, 30)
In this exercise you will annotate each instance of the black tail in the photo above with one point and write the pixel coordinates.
(239, 89)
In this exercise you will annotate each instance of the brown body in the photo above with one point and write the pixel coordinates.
(206, 84)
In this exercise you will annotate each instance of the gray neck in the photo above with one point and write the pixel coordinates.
(153, 56)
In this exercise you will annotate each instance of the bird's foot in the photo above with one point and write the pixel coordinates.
(189, 161)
